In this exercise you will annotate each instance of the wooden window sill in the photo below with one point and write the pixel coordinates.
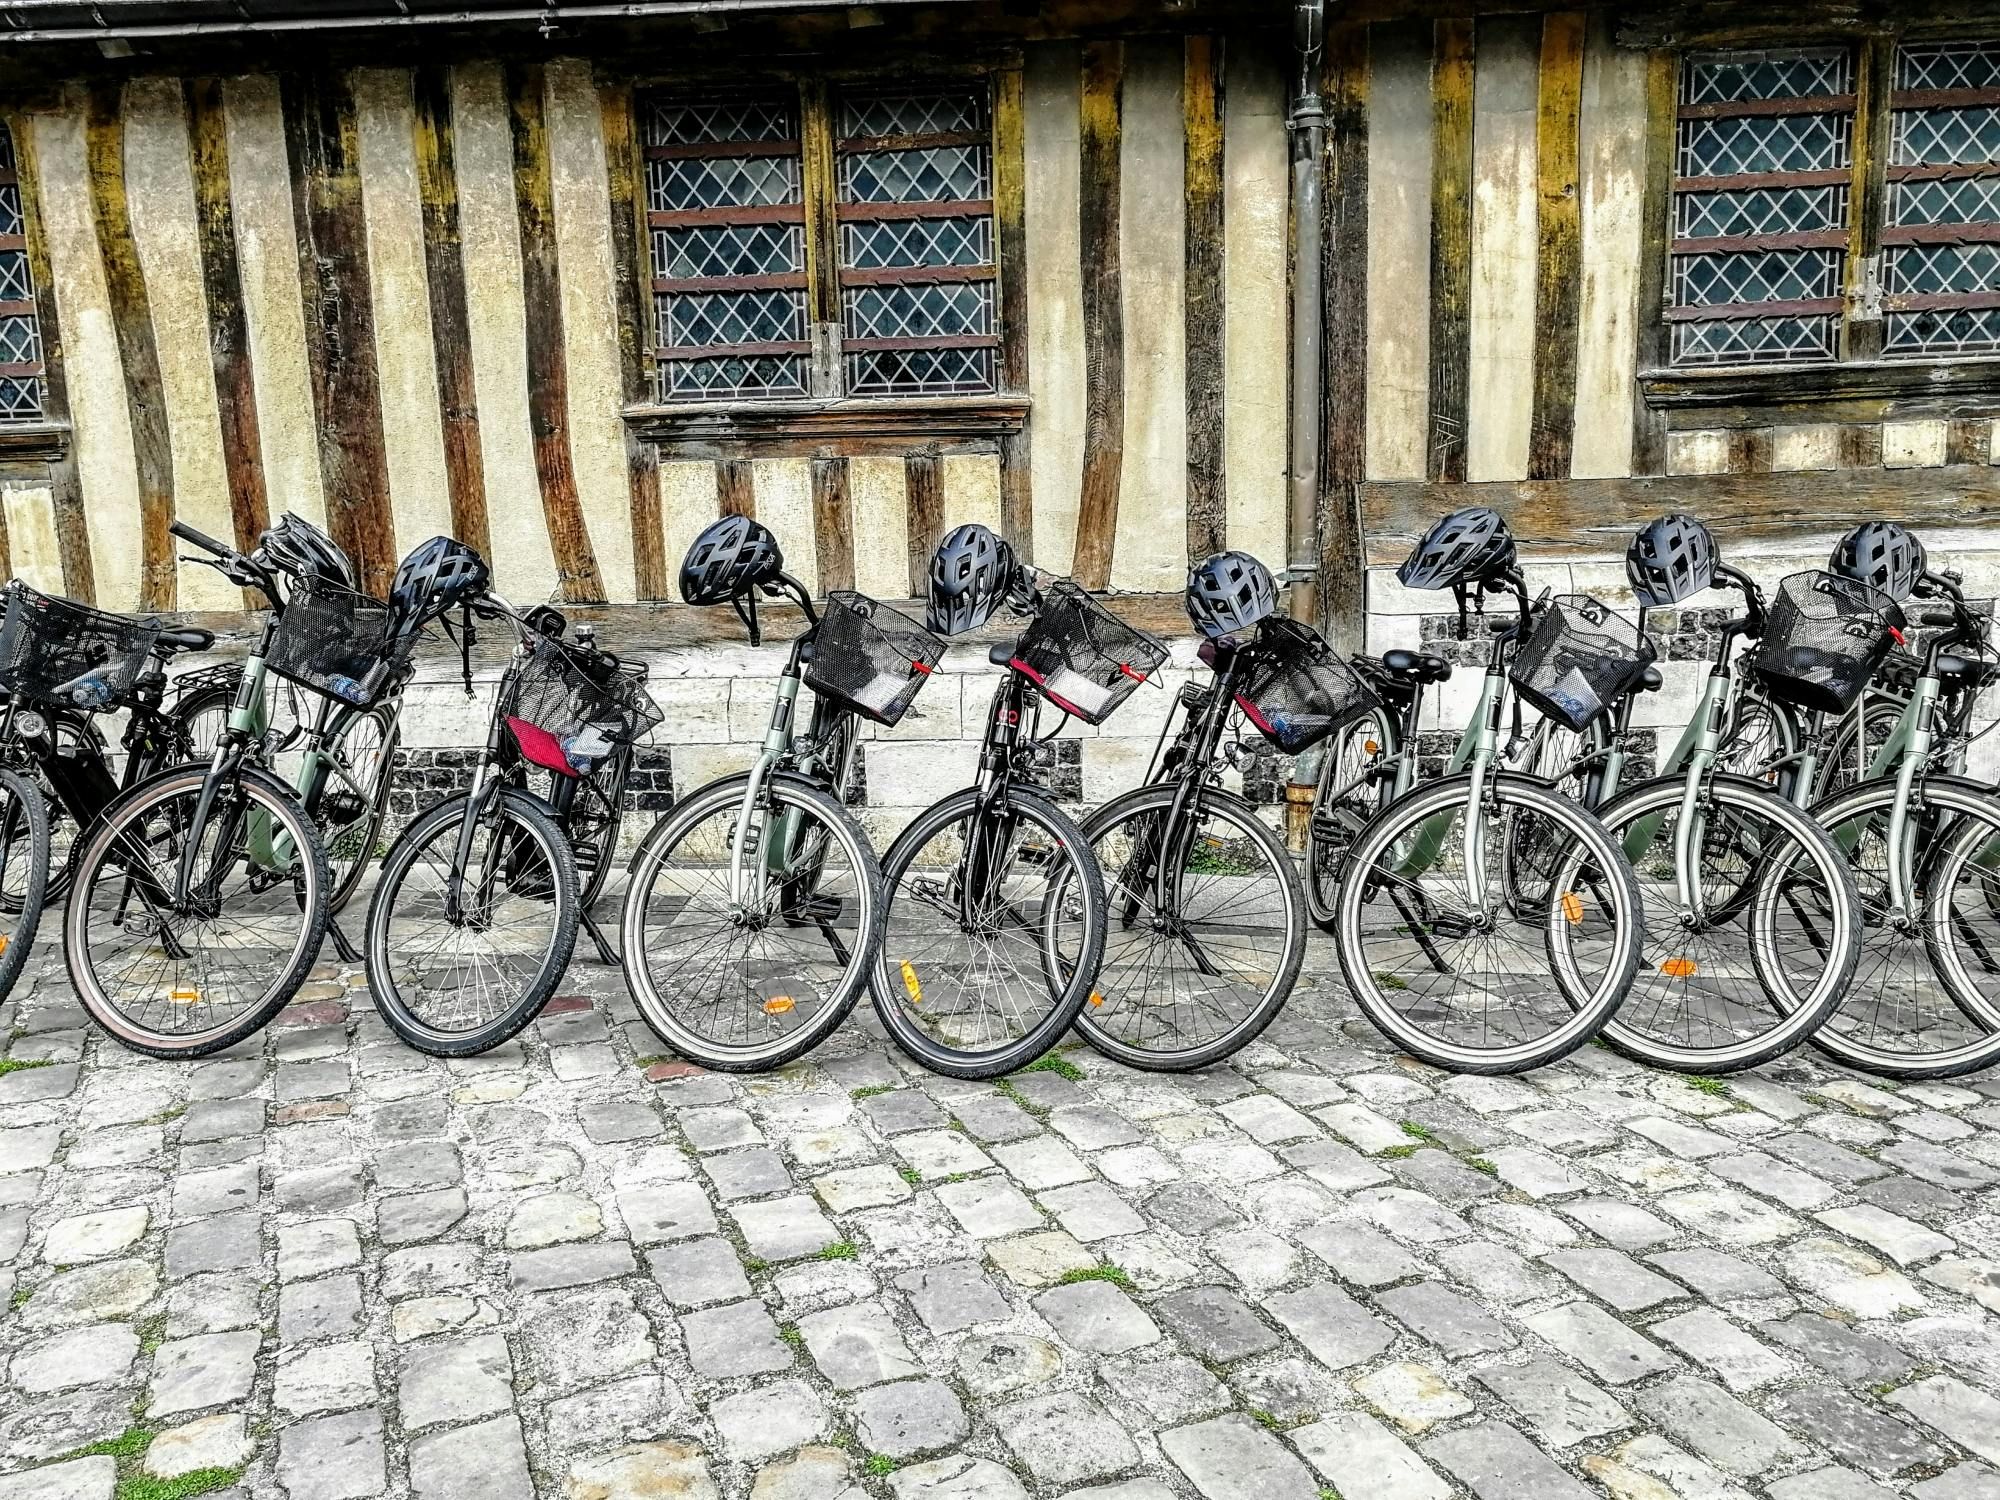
(29, 442)
(729, 429)
(1856, 390)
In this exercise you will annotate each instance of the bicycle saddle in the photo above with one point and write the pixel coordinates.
(1416, 666)
(1965, 671)
(187, 638)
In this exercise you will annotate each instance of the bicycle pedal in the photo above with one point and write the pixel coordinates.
(813, 911)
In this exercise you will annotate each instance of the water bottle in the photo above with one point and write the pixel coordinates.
(346, 689)
(584, 749)
(91, 693)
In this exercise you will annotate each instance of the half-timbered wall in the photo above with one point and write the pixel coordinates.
(401, 301)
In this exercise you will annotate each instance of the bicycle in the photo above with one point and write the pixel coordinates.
(995, 915)
(1752, 925)
(1445, 956)
(335, 753)
(476, 914)
(1207, 922)
(754, 912)
(201, 895)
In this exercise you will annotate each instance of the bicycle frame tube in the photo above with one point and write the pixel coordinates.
(1202, 739)
(777, 746)
(993, 825)
(1902, 872)
(1478, 744)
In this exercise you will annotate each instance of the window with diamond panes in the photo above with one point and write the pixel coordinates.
(1941, 234)
(1763, 157)
(21, 370)
(726, 208)
(914, 209)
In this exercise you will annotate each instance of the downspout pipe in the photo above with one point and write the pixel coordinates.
(1307, 124)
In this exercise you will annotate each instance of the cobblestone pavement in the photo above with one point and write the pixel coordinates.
(326, 1267)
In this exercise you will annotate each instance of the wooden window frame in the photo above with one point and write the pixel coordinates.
(1859, 383)
(744, 426)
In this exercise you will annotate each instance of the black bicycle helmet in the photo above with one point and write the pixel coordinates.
(728, 560)
(299, 548)
(971, 573)
(1464, 547)
(1672, 558)
(1230, 592)
(435, 576)
(1882, 555)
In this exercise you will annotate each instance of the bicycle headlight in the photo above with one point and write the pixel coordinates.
(31, 724)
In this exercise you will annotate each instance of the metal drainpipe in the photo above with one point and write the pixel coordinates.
(1307, 123)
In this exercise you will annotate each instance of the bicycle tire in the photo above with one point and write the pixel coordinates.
(1126, 904)
(1324, 860)
(1967, 1031)
(1082, 965)
(530, 820)
(63, 829)
(788, 791)
(619, 764)
(1799, 1016)
(20, 792)
(1591, 847)
(275, 800)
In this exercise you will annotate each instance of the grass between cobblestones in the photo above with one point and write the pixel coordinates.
(129, 1447)
(21, 1064)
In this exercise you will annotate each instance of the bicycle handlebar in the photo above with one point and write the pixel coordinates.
(200, 539)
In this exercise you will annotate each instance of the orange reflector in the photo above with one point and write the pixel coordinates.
(1573, 906)
(1678, 968)
(4, 941)
(186, 997)
(777, 1005)
(910, 983)
(1370, 746)
(1095, 998)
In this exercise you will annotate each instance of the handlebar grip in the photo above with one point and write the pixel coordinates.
(200, 539)
(1937, 617)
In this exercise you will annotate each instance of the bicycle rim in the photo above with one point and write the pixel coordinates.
(24, 871)
(1466, 985)
(978, 983)
(742, 986)
(1190, 980)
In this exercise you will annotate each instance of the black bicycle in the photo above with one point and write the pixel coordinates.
(996, 914)
(476, 915)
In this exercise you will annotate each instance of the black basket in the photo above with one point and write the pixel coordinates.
(338, 642)
(566, 717)
(46, 642)
(1084, 658)
(1300, 690)
(1581, 659)
(868, 658)
(1824, 638)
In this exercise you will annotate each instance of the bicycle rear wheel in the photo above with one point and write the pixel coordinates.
(456, 978)
(1191, 979)
(24, 871)
(185, 979)
(744, 981)
(974, 987)
(1765, 960)
(1464, 983)
(1925, 998)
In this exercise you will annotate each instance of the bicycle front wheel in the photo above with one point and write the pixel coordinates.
(1925, 998)
(1207, 930)
(1762, 957)
(25, 859)
(1451, 969)
(744, 966)
(992, 933)
(182, 975)
(457, 972)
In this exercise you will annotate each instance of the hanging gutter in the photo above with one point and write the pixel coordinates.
(1307, 123)
(95, 22)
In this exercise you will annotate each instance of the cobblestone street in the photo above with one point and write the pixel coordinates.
(325, 1267)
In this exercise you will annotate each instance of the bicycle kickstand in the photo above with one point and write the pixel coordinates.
(606, 954)
(347, 951)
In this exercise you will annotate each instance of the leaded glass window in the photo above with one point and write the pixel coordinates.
(1763, 156)
(914, 204)
(21, 369)
(725, 203)
(1941, 235)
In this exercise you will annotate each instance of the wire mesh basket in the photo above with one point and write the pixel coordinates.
(1300, 690)
(1580, 659)
(1824, 638)
(869, 658)
(1084, 658)
(338, 642)
(567, 712)
(47, 642)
